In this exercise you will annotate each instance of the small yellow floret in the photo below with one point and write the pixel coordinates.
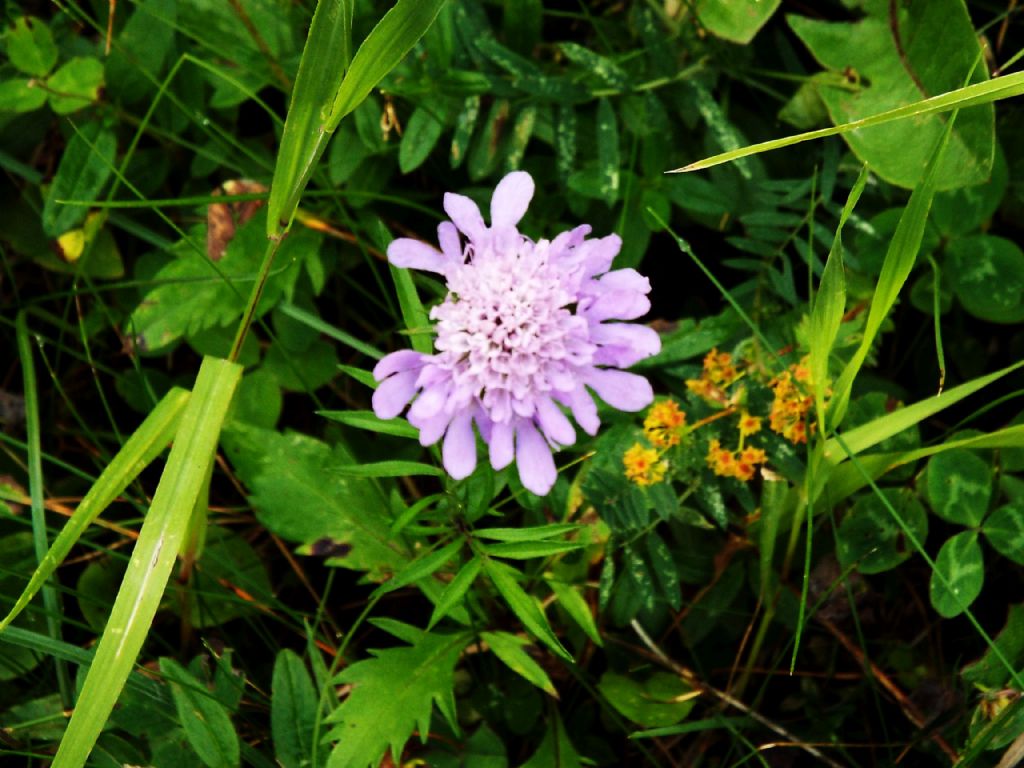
(664, 424)
(643, 465)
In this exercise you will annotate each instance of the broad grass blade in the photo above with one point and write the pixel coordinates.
(159, 541)
(830, 305)
(323, 96)
(899, 261)
(306, 131)
(148, 441)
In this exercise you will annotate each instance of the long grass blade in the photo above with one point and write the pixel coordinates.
(999, 88)
(153, 557)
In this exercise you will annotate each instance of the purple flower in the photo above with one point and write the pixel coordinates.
(523, 334)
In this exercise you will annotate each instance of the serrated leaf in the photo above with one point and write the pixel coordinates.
(191, 296)
(206, 722)
(505, 580)
(299, 495)
(958, 576)
(393, 694)
(509, 648)
(293, 711)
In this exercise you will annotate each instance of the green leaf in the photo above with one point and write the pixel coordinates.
(299, 494)
(421, 567)
(141, 50)
(987, 273)
(505, 580)
(369, 421)
(382, 50)
(870, 539)
(30, 46)
(21, 95)
(509, 648)
(660, 700)
(737, 21)
(465, 122)
(389, 469)
(573, 603)
(596, 64)
(525, 550)
(530, 533)
(392, 694)
(1004, 530)
(75, 85)
(422, 133)
(959, 487)
(293, 711)
(192, 295)
(307, 127)
(205, 720)
(413, 314)
(830, 305)
(84, 168)
(899, 261)
(555, 750)
(163, 530)
(958, 576)
(923, 50)
(456, 590)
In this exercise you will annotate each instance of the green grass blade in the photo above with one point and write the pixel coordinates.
(1004, 87)
(307, 127)
(899, 261)
(867, 435)
(152, 436)
(37, 492)
(847, 479)
(830, 305)
(380, 52)
(153, 557)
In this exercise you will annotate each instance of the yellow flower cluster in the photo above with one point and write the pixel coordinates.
(719, 372)
(644, 465)
(664, 424)
(792, 402)
(740, 463)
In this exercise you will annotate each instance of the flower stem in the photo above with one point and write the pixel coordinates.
(254, 297)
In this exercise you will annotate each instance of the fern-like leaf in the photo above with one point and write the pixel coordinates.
(392, 694)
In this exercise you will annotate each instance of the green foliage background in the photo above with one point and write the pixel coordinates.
(336, 600)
